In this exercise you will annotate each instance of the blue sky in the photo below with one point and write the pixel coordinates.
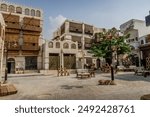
(100, 13)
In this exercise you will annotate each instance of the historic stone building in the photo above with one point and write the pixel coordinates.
(22, 36)
(137, 30)
(74, 39)
(2, 38)
(145, 45)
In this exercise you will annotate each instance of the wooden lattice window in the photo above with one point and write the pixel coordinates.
(148, 63)
(75, 27)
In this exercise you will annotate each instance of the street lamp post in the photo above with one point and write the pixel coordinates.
(2, 36)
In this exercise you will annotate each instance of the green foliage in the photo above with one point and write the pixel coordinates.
(110, 41)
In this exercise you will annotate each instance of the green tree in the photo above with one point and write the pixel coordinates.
(110, 41)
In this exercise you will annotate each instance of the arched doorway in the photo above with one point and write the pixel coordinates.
(11, 65)
(98, 62)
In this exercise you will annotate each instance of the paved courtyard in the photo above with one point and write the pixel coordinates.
(50, 87)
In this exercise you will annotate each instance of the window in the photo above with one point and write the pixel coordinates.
(3, 7)
(11, 9)
(73, 46)
(142, 42)
(38, 13)
(32, 12)
(50, 45)
(26, 11)
(57, 45)
(19, 10)
(129, 40)
(136, 38)
(33, 44)
(65, 45)
(132, 40)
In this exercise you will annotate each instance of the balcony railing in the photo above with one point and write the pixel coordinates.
(32, 28)
(13, 25)
(29, 47)
(14, 31)
(12, 47)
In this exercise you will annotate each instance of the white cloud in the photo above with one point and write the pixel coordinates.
(55, 22)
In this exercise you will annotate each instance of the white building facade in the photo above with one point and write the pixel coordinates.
(23, 25)
(137, 30)
(74, 39)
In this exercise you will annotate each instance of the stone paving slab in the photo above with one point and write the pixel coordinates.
(51, 87)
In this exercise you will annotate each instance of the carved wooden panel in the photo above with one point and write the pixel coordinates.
(12, 37)
(30, 46)
(31, 33)
(13, 25)
(14, 31)
(75, 27)
(14, 52)
(30, 38)
(76, 38)
(31, 21)
(30, 52)
(32, 28)
(88, 29)
(148, 63)
(10, 18)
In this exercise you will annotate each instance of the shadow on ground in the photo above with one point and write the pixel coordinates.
(130, 77)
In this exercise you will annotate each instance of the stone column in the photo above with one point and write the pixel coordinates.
(46, 57)
(62, 58)
(83, 43)
(66, 27)
(1, 65)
